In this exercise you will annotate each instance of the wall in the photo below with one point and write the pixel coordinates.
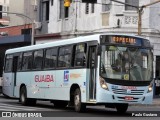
(25, 7)
(16, 20)
(98, 21)
(155, 17)
(14, 30)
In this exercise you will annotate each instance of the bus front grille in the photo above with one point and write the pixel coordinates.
(127, 92)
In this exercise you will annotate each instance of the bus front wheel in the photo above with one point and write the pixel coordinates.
(121, 108)
(23, 95)
(78, 105)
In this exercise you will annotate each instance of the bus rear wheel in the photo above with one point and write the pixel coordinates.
(78, 105)
(121, 108)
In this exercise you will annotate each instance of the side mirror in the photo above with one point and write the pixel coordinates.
(99, 50)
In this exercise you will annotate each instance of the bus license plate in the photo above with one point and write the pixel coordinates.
(128, 98)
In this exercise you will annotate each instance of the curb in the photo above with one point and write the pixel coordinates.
(145, 105)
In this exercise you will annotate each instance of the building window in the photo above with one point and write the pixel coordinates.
(105, 7)
(131, 2)
(26, 31)
(87, 8)
(45, 9)
(1, 10)
(64, 11)
(92, 8)
(52, 2)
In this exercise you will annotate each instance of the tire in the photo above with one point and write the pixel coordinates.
(60, 104)
(121, 108)
(23, 96)
(78, 105)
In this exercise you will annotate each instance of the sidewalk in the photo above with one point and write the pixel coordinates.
(156, 101)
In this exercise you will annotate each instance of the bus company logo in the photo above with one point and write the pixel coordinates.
(128, 91)
(129, 87)
(66, 76)
(44, 78)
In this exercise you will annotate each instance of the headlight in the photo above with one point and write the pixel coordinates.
(103, 83)
(150, 88)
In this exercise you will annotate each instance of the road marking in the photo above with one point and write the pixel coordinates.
(17, 108)
(25, 108)
(2, 104)
(6, 110)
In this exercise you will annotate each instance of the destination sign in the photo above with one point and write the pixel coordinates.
(117, 39)
(126, 40)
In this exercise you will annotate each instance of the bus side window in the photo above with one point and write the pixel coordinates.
(80, 55)
(38, 59)
(67, 56)
(19, 66)
(61, 57)
(8, 63)
(64, 57)
(50, 58)
(27, 61)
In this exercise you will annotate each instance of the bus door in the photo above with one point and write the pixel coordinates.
(92, 66)
(14, 69)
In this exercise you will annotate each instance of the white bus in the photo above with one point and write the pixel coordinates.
(104, 69)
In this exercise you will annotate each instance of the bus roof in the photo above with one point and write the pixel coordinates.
(61, 42)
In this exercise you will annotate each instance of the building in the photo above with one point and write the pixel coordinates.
(103, 17)
(26, 7)
(4, 6)
(18, 31)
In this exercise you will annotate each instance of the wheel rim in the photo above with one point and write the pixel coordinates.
(22, 97)
(77, 100)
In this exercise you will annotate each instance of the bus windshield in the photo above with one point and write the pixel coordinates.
(126, 63)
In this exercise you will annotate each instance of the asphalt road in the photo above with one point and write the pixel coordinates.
(45, 108)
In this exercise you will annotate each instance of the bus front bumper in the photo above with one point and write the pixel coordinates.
(130, 99)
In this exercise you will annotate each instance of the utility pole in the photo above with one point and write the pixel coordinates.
(32, 22)
(140, 10)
